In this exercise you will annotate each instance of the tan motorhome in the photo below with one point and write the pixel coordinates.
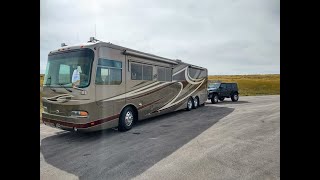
(99, 85)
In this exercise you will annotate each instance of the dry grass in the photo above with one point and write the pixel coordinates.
(251, 85)
(41, 79)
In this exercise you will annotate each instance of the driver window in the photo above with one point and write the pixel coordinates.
(109, 72)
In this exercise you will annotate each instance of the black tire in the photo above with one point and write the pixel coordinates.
(190, 101)
(126, 119)
(214, 99)
(221, 98)
(235, 97)
(195, 103)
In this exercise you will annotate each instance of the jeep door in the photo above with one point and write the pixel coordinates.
(229, 89)
(223, 90)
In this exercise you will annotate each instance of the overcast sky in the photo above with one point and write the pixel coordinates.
(225, 36)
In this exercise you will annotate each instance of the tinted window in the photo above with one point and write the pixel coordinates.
(109, 72)
(193, 72)
(223, 85)
(229, 86)
(110, 63)
(147, 72)
(161, 74)
(168, 74)
(136, 71)
(115, 76)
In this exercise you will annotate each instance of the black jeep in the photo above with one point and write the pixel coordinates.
(219, 91)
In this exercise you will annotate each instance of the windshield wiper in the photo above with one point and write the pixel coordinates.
(48, 85)
(62, 85)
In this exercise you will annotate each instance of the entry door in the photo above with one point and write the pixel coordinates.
(110, 81)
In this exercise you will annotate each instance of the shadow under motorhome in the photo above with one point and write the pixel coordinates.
(99, 85)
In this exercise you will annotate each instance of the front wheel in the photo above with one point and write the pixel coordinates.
(235, 97)
(214, 99)
(126, 119)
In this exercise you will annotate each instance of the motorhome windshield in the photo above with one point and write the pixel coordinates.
(70, 68)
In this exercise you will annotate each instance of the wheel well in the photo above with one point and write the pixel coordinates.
(235, 92)
(134, 110)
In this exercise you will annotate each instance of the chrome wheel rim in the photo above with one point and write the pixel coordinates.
(196, 103)
(189, 104)
(215, 98)
(129, 118)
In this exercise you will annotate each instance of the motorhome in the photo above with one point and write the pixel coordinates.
(99, 85)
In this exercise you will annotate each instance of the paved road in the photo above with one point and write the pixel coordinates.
(223, 141)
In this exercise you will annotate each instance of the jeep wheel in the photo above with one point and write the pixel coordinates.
(221, 98)
(214, 99)
(235, 97)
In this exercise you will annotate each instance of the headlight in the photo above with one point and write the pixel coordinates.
(79, 113)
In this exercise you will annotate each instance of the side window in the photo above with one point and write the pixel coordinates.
(136, 71)
(147, 72)
(164, 74)
(161, 74)
(64, 74)
(223, 86)
(168, 74)
(193, 72)
(234, 86)
(229, 86)
(141, 72)
(109, 72)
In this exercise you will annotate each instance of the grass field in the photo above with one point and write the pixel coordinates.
(249, 85)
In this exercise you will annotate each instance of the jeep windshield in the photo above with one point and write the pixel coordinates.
(63, 66)
(214, 85)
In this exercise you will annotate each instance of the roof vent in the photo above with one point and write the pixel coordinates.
(63, 44)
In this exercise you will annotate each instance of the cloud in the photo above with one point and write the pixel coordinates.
(227, 37)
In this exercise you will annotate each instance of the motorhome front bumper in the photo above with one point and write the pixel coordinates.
(82, 124)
